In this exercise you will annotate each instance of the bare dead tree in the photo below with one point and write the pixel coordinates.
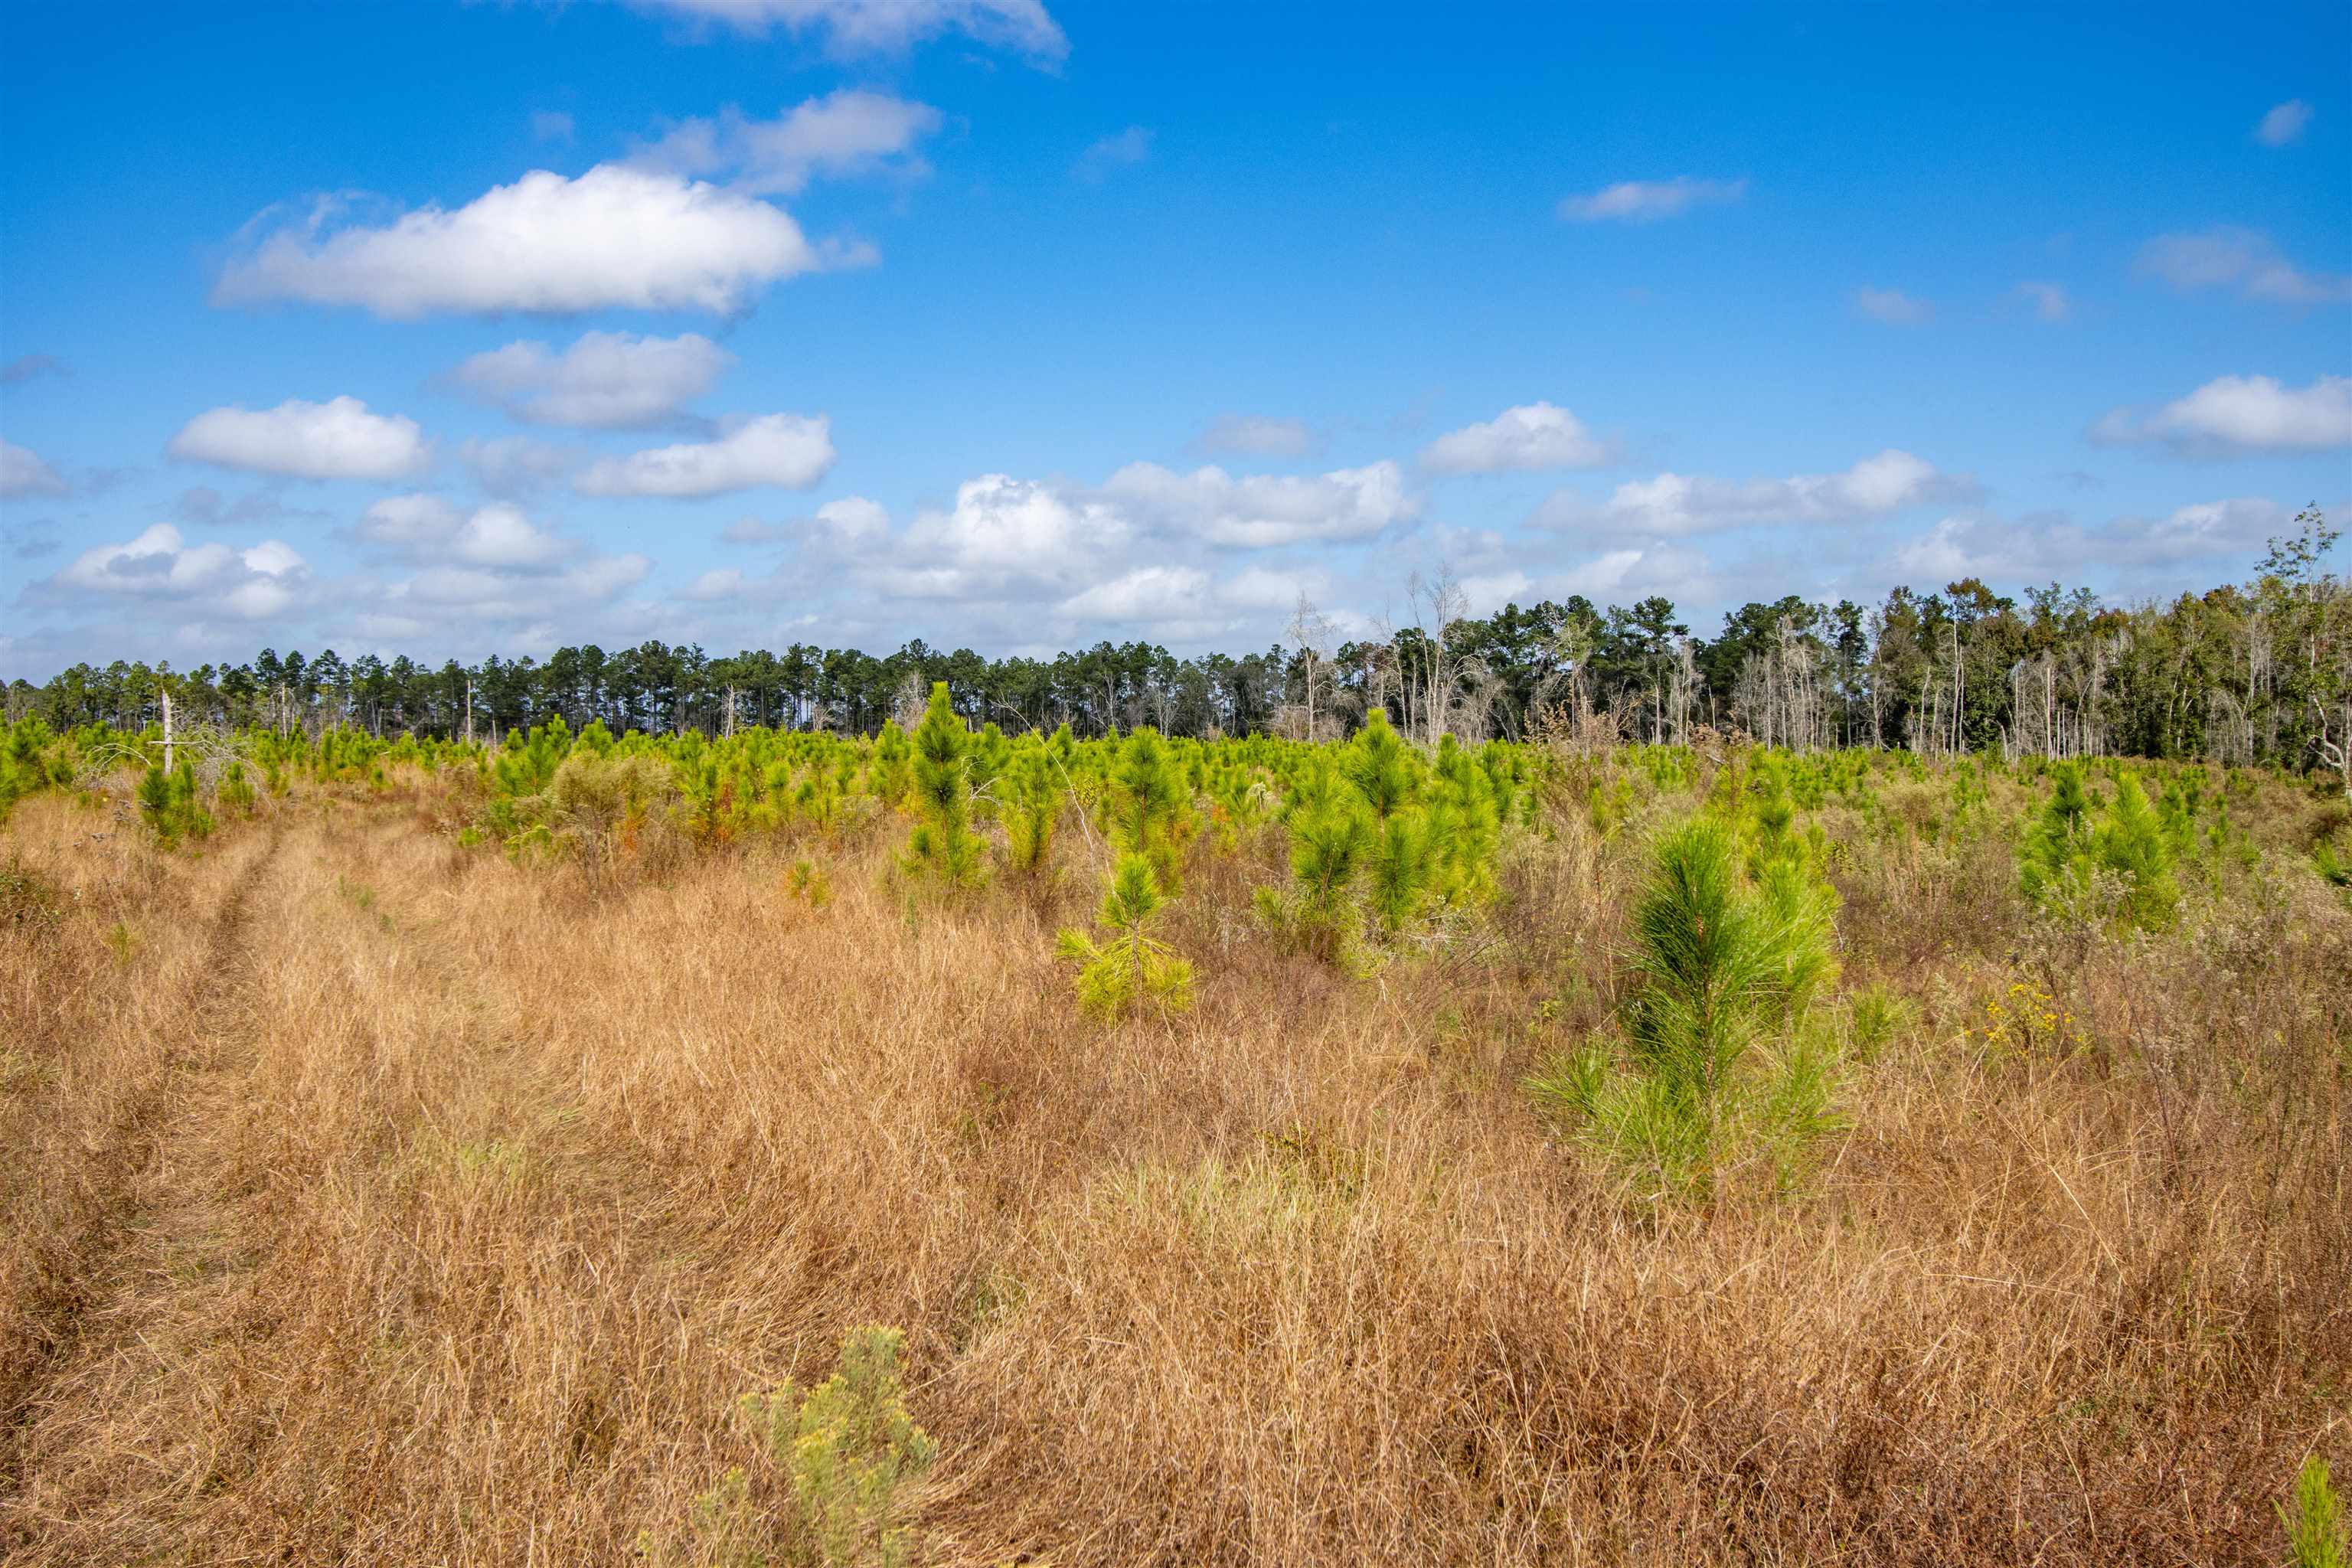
(1311, 631)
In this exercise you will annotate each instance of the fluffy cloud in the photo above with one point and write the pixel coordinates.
(1001, 524)
(1986, 546)
(1263, 510)
(1036, 562)
(250, 585)
(2049, 300)
(614, 237)
(840, 527)
(1891, 306)
(1646, 200)
(426, 527)
(606, 380)
(1146, 593)
(2283, 124)
(787, 450)
(1258, 437)
(489, 566)
(2234, 414)
(1678, 505)
(23, 472)
(2240, 259)
(852, 523)
(1058, 547)
(334, 440)
(1123, 151)
(865, 27)
(843, 132)
(1534, 436)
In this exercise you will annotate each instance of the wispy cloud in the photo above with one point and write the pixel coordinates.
(1112, 154)
(1258, 436)
(1646, 200)
(852, 27)
(844, 132)
(2283, 124)
(2242, 259)
(2050, 302)
(26, 367)
(1675, 506)
(1891, 306)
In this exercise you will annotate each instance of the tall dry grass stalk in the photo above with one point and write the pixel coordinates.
(373, 1203)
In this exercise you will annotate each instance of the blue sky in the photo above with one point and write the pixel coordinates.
(482, 328)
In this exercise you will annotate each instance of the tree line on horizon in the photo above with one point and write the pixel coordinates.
(2259, 672)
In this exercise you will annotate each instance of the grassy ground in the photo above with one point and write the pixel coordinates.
(373, 1200)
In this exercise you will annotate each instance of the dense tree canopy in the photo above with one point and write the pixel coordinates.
(2258, 672)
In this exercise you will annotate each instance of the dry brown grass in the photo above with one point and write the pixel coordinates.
(372, 1201)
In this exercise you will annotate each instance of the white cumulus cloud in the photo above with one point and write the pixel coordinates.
(2130, 547)
(337, 439)
(1146, 593)
(614, 237)
(23, 472)
(1678, 505)
(253, 584)
(790, 451)
(428, 529)
(1646, 200)
(606, 380)
(2234, 414)
(1533, 436)
(1262, 511)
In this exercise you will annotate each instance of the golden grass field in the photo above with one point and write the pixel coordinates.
(375, 1201)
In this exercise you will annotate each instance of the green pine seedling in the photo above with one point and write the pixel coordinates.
(1128, 969)
(943, 844)
(1032, 810)
(2314, 1525)
(1150, 805)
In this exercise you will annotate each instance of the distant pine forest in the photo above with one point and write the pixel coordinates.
(2254, 673)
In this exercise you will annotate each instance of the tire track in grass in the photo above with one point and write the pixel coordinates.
(113, 1244)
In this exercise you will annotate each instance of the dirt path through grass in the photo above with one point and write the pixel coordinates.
(136, 1210)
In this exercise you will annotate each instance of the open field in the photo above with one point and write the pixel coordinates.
(376, 1196)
